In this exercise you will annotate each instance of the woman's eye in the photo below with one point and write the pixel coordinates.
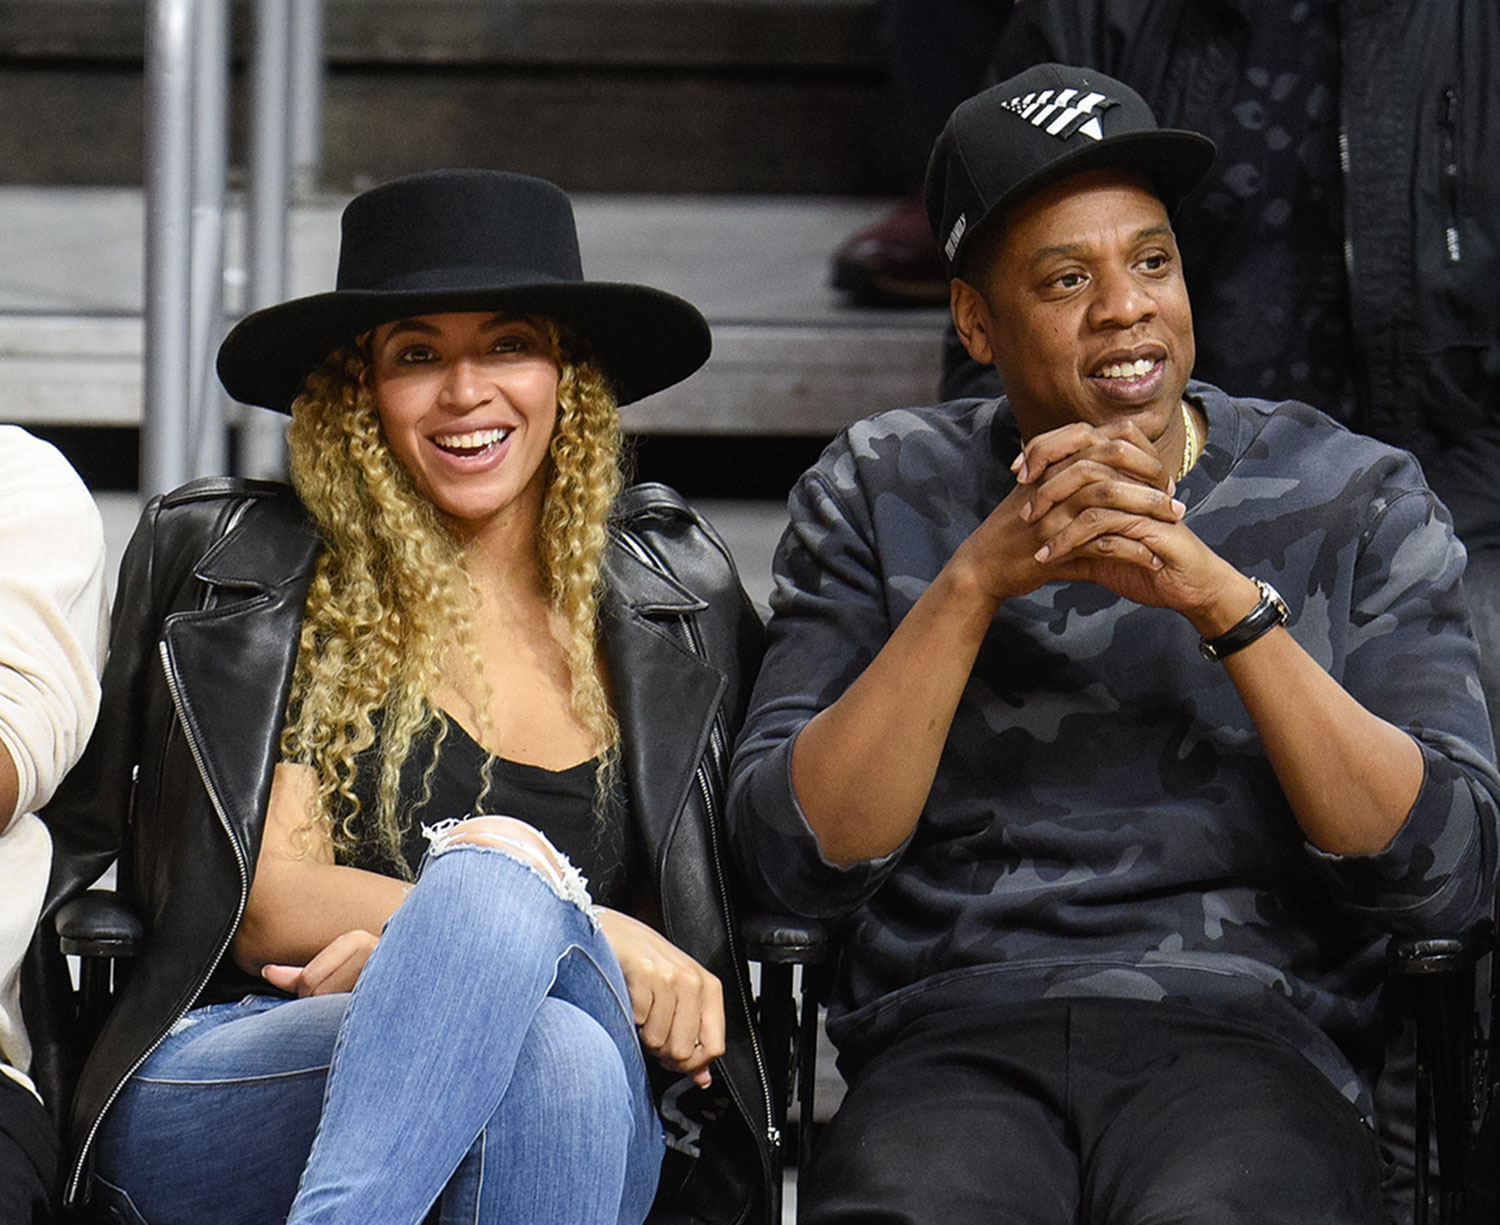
(514, 342)
(413, 354)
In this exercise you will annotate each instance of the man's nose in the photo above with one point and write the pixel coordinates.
(1120, 299)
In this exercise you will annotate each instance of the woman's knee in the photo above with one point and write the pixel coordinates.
(522, 842)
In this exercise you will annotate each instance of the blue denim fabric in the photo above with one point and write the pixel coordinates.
(487, 1055)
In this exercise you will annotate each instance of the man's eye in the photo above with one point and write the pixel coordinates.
(1069, 280)
(1155, 262)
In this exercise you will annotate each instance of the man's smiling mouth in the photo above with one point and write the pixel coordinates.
(1137, 369)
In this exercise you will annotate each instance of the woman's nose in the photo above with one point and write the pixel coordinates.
(464, 386)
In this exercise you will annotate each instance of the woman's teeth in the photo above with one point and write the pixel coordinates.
(476, 440)
(1128, 370)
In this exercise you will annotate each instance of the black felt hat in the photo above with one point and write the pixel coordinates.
(1013, 139)
(464, 240)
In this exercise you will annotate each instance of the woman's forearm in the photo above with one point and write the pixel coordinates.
(300, 899)
(298, 907)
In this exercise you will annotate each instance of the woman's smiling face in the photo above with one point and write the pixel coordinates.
(468, 403)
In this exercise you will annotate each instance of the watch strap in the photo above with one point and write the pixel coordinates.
(1267, 614)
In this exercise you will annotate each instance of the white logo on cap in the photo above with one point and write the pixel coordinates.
(1062, 112)
(955, 235)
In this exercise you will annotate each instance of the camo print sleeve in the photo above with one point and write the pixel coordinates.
(839, 592)
(828, 617)
(1409, 658)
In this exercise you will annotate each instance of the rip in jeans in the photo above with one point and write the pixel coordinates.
(495, 832)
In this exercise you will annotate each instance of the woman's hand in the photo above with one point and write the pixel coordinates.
(336, 968)
(678, 1005)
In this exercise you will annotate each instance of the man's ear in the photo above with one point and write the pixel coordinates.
(971, 319)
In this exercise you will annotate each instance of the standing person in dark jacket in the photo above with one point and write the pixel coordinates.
(1118, 722)
(1345, 248)
(364, 743)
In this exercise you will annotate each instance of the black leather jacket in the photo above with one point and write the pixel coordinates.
(176, 779)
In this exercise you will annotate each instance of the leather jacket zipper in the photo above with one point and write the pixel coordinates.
(718, 750)
(1344, 175)
(80, 1163)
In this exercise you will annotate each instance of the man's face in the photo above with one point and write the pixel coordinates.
(1082, 307)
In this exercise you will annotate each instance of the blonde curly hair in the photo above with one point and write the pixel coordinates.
(390, 598)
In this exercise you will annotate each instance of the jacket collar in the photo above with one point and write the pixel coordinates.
(271, 543)
(243, 643)
(665, 694)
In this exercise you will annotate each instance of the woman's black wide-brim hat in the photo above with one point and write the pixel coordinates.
(464, 240)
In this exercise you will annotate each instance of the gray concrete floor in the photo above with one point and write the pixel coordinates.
(78, 250)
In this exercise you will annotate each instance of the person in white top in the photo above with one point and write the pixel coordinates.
(53, 622)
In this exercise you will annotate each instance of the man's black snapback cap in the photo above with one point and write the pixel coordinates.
(1012, 139)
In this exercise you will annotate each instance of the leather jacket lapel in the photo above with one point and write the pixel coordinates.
(242, 642)
(665, 695)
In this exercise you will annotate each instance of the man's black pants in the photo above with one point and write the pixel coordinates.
(1091, 1112)
(28, 1156)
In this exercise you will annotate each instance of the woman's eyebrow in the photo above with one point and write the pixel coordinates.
(411, 325)
(504, 319)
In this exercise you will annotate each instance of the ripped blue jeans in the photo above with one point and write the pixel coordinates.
(486, 1057)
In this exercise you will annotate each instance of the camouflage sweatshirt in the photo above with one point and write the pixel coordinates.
(1104, 821)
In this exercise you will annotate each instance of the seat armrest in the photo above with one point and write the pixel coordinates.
(1412, 955)
(789, 1020)
(1436, 977)
(99, 924)
(781, 940)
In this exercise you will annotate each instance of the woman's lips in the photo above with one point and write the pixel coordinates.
(470, 444)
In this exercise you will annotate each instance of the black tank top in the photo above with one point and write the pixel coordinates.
(560, 803)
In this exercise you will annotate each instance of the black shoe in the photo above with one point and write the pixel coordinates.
(893, 261)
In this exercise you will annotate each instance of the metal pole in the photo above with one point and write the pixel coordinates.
(210, 171)
(307, 97)
(168, 178)
(263, 433)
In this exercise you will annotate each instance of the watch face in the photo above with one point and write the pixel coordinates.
(1273, 597)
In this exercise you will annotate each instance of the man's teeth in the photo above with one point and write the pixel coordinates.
(1129, 370)
(474, 441)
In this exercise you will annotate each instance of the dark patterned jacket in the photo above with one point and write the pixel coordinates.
(1104, 820)
(1396, 174)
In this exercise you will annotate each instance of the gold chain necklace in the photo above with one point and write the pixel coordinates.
(1191, 444)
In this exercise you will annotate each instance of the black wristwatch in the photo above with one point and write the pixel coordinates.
(1266, 615)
